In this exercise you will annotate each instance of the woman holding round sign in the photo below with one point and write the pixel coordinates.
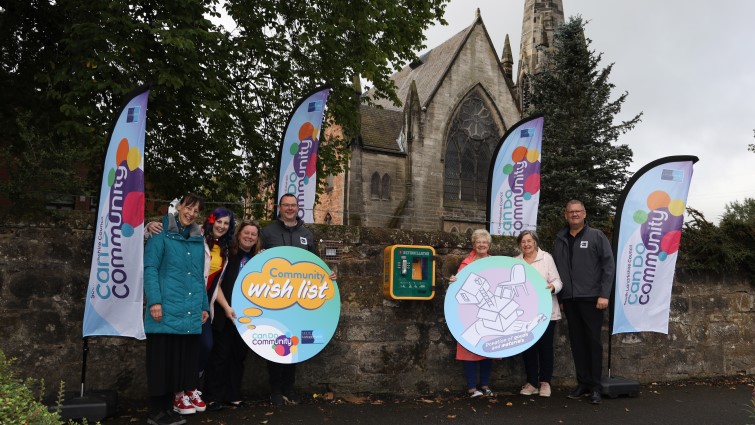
(496, 308)
(538, 359)
(481, 240)
(226, 367)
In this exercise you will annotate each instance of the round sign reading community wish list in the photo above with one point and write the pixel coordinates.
(287, 307)
(498, 306)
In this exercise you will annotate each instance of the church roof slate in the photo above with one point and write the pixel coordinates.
(381, 128)
(430, 73)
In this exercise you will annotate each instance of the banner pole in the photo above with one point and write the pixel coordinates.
(84, 364)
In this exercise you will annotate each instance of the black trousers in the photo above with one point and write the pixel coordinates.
(225, 369)
(172, 362)
(282, 377)
(585, 322)
(538, 359)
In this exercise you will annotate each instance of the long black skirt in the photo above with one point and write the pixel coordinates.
(172, 363)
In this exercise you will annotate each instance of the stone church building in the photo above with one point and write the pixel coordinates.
(424, 165)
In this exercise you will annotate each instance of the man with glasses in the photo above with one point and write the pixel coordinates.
(286, 230)
(585, 263)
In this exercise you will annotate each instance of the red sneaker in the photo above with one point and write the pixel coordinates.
(196, 400)
(182, 404)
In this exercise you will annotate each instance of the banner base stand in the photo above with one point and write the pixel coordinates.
(94, 405)
(615, 386)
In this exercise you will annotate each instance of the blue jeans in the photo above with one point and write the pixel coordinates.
(470, 372)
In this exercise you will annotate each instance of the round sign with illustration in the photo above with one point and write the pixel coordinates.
(287, 306)
(498, 306)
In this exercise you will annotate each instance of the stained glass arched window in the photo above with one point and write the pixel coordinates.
(472, 138)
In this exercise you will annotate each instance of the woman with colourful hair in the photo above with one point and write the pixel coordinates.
(218, 231)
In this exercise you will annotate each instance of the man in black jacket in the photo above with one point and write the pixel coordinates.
(585, 263)
(287, 230)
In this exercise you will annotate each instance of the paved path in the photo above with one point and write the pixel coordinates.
(708, 403)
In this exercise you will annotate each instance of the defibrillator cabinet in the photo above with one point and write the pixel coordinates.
(409, 272)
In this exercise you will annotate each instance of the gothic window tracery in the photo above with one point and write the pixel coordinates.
(472, 138)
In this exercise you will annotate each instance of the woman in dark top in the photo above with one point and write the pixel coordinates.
(226, 367)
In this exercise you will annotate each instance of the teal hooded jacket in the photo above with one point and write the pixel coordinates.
(174, 276)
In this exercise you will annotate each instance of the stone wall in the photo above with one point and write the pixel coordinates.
(380, 346)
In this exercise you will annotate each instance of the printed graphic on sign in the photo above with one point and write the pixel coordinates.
(649, 237)
(298, 155)
(114, 302)
(498, 307)
(286, 304)
(515, 179)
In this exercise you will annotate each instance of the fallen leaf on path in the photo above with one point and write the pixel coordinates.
(353, 399)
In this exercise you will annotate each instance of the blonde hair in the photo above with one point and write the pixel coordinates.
(481, 233)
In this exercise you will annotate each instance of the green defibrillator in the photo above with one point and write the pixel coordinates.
(409, 272)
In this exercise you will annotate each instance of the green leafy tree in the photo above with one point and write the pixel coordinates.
(738, 224)
(581, 156)
(726, 248)
(219, 97)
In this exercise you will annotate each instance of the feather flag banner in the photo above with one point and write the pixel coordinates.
(116, 279)
(514, 191)
(646, 242)
(297, 172)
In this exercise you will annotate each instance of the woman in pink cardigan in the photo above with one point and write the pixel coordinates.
(538, 359)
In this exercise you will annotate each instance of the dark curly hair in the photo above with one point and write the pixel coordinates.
(227, 238)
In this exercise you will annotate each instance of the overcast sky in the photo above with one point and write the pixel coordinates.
(688, 65)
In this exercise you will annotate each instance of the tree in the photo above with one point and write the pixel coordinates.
(219, 99)
(738, 224)
(581, 158)
(726, 248)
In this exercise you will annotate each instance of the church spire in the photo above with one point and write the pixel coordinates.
(541, 18)
(507, 61)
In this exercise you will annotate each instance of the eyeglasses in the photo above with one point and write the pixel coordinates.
(289, 205)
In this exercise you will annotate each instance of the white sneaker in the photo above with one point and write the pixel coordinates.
(475, 394)
(528, 389)
(545, 389)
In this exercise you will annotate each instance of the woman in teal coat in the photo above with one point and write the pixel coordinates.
(175, 271)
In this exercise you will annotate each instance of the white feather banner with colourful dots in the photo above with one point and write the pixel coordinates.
(514, 191)
(116, 279)
(297, 169)
(650, 216)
